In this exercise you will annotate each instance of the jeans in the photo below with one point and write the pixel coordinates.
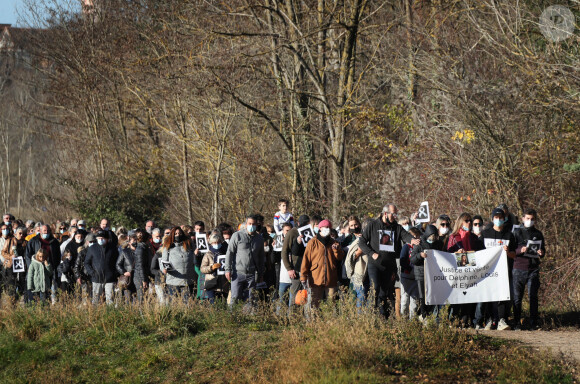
(160, 292)
(361, 292)
(383, 283)
(98, 289)
(243, 288)
(409, 297)
(283, 297)
(521, 279)
(174, 291)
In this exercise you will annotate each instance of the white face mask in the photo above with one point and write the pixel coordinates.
(476, 230)
(528, 223)
(324, 232)
(443, 231)
(406, 227)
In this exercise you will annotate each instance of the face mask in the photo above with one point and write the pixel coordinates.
(7, 223)
(44, 236)
(101, 241)
(149, 230)
(227, 241)
(78, 241)
(272, 235)
(476, 230)
(5, 232)
(430, 241)
(157, 241)
(266, 249)
(316, 230)
(62, 231)
(406, 227)
(324, 232)
(527, 223)
(443, 230)
(178, 238)
(465, 228)
(498, 222)
(251, 228)
(355, 230)
(106, 229)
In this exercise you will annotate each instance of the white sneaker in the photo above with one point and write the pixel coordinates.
(503, 326)
(477, 327)
(488, 326)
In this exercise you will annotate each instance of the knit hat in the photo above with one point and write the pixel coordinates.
(324, 223)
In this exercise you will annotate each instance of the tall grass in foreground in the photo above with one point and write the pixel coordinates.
(198, 342)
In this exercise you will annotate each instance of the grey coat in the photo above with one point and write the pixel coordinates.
(182, 261)
(245, 254)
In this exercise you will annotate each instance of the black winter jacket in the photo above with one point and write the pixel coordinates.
(100, 263)
(416, 259)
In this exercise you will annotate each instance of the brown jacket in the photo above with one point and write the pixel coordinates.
(7, 253)
(321, 263)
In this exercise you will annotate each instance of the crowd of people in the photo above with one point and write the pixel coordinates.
(42, 263)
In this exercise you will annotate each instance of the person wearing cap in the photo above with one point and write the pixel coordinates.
(292, 254)
(499, 311)
(382, 266)
(81, 224)
(100, 266)
(320, 264)
(244, 259)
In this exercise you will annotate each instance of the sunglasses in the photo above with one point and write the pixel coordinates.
(477, 224)
(444, 225)
(467, 221)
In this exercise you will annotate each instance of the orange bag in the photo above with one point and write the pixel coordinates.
(301, 297)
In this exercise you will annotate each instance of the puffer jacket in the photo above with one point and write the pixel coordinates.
(39, 276)
(321, 262)
(183, 263)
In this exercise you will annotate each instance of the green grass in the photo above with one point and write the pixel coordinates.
(204, 344)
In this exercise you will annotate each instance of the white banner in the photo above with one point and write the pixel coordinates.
(484, 277)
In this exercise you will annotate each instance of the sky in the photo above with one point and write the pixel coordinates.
(8, 11)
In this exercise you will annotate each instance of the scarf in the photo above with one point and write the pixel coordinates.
(465, 239)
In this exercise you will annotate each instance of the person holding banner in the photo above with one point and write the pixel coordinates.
(462, 240)
(429, 240)
(382, 241)
(499, 235)
(530, 248)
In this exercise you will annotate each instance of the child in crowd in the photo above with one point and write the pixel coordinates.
(40, 276)
(283, 215)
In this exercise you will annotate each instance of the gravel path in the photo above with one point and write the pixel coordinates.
(567, 342)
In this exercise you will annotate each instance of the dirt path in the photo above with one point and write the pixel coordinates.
(567, 342)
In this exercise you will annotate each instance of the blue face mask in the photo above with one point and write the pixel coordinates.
(157, 241)
(406, 227)
(251, 228)
(316, 230)
(44, 236)
(465, 228)
(101, 241)
(430, 241)
(272, 235)
(5, 232)
(498, 222)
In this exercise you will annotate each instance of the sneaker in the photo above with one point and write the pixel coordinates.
(477, 327)
(488, 326)
(503, 326)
